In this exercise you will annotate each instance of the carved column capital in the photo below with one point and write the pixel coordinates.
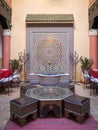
(93, 32)
(6, 32)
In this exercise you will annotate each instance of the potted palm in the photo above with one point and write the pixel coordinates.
(14, 65)
(86, 63)
(16, 68)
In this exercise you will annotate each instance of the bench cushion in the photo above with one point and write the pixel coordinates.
(76, 99)
(23, 100)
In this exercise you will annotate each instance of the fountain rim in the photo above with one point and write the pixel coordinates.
(49, 75)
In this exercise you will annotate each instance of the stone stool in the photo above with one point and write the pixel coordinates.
(22, 108)
(77, 107)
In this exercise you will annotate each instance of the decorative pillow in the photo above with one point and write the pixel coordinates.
(94, 73)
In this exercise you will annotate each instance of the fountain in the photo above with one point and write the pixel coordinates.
(49, 79)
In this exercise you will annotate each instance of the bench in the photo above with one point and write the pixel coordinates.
(23, 108)
(77, 107)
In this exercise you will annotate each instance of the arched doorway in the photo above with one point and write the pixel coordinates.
(5, 23)
(95, 23)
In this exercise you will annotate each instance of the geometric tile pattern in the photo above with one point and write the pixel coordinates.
(49, 55)
(49, 50)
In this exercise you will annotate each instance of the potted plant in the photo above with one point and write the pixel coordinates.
(14, 65)
(86, 63)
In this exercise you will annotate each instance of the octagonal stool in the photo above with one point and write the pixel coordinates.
(77, 107)
(22, 109)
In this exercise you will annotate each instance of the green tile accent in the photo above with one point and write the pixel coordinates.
(49, 18)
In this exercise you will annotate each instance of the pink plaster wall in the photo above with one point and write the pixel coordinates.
(9, 2)
(93, 50)
(90, 1)
(6, 51)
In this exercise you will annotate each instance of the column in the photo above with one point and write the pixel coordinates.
(93, 49)
(6, 48)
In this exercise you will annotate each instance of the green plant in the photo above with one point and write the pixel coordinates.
(86, 63)
(14, 64)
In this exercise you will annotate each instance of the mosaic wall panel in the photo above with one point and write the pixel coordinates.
(49, 51)
(49, 55)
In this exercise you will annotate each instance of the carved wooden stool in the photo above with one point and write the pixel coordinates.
(77, 107)
(23, 108)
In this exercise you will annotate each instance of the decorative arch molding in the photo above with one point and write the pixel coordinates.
(5, 15)
(93, 15)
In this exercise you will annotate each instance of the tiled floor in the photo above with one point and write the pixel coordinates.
(5, 106)
(79, 89)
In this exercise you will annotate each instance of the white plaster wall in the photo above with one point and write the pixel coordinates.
(79, 8)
